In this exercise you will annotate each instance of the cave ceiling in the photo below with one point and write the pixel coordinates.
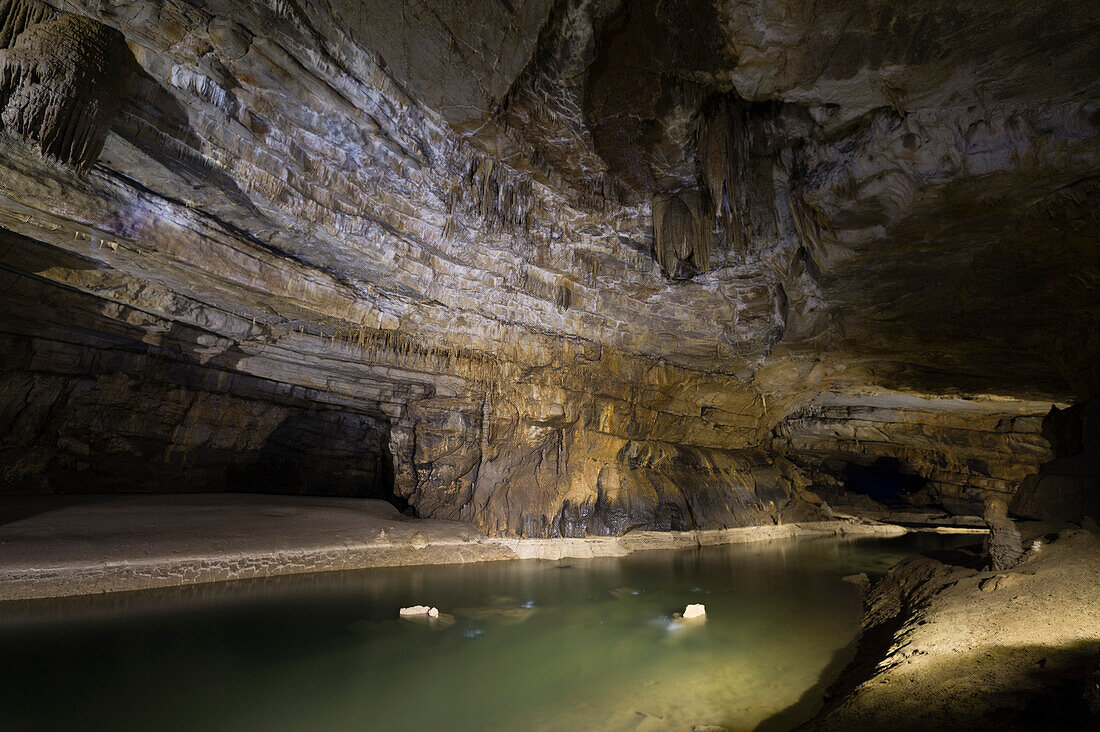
(793, 195)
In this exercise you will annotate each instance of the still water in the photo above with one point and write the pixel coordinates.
(571, 645)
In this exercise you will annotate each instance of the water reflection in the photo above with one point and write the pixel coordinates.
(583, 644)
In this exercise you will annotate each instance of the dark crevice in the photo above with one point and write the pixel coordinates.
(885, 480)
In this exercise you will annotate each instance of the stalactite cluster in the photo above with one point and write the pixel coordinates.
(61, 82)
(723, 156)
(731, 142)
(502, 201)
(17, 16)
(394, 347)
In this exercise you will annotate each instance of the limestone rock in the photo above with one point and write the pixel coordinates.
(957, 452)
(61, 82)
(557, 269)
(1003, 544)
(1067, 488)
(695, 612)
(416, 610)
(859, 580)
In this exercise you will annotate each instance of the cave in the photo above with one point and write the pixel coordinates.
(554, 356)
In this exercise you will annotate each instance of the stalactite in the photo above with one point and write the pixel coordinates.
(674, 231)
(503, 202)
(17, 16)
(681, 234)
(717, 156)
(563, 296)
(403, 351)
(61, 83)
(486, 413)
(723, 156)
(810, 223)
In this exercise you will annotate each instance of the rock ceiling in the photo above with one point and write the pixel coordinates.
(572, 255)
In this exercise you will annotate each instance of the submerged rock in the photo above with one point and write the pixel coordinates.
(507, 615)
(861, 580)
(622, 593)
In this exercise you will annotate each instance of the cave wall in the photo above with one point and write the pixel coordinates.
(89, 403)
(1066, 488)
(551, 463)
(962, 452)
(144, 396)
(322, 244)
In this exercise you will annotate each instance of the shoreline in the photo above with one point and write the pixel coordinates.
(947, 645)
(140, 543)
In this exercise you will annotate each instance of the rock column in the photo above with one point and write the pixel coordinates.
(1003, 545)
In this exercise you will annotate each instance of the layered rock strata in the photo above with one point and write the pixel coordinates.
(961, 452)
(558, 269)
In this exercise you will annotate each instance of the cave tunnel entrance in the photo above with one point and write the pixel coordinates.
(83, 452)
(886, 480)
(323, 453)
(92, 407)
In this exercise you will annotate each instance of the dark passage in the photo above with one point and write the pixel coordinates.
(323, 453)
(95, 406)
(886, 480)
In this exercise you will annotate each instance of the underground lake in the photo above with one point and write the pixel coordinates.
(542, 645)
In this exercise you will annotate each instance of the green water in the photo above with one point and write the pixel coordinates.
(578, 644)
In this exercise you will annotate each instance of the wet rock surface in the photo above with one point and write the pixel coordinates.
(556, 268)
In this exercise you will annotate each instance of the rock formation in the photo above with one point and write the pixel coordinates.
(61, 82)
(1066, 488)
(1003, 545)
(694, 612)
(558, 268)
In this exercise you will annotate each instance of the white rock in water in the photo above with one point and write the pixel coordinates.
(419, 610)
(433, 613)
(695, 611)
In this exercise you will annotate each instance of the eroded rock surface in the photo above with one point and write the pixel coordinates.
(558, 268)
(959, 453)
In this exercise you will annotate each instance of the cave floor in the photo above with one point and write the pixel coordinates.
(1005, 650)
(137, 542)
(80, 545)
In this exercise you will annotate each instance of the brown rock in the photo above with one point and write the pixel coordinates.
(559, 268)
(1003, 544)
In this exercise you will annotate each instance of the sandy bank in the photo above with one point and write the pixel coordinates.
(143, 542)
(950, 647)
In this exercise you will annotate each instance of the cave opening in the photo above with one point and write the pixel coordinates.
(324, 453)
(886, 480)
